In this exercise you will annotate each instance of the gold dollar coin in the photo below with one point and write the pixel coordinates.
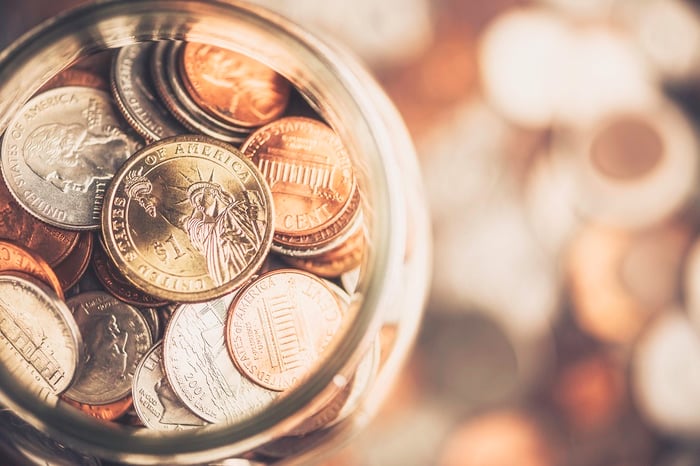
(188, 219)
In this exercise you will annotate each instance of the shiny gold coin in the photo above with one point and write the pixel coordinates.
(279, 326)
(308, 170)
(188, 219)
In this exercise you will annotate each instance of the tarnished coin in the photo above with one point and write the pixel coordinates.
(116, 337)
(17, 225)
(279, 325)
(155, 402)
(113, 281)
(308, 170)
(108, 412)
(232, 86)
(75, 77)
(136, 96)
(39, 339)
(59, 153)
(188, 219)
(14, 258)
(200, 370)
(71, 269)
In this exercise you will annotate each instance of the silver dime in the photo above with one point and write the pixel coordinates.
(155, 402)
(116, 337)
(39, 339)
(59, 153)
(200, 370)
(136, 96)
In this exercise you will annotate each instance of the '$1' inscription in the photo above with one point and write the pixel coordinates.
(169, 249)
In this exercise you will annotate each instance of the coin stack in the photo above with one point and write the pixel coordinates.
(181, 234)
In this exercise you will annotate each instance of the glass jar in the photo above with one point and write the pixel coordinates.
(391, 288)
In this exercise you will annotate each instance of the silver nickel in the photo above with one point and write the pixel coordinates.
(61, 150)
(155, 402)
(116, 337)
(39, 339)
(200, 370)
(136, 96)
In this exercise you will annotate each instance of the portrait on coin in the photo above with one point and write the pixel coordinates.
(174, 412)
(253, 86)
(107, 348)
(72, 157)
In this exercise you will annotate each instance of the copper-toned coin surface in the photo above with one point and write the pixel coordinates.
(14, 258)
(60, 152)
(113, 281)
(39, 338)
(76, 77)
(200, 369)
(233, 87)
(116, 337)
(16, 224)
(279, 325)
(72, 268)
(326, 239)
(335, 262)
(155, 402)
(188, 219)
(108, 412)
(308, 170)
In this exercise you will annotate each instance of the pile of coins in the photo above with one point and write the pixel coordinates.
(181, 234)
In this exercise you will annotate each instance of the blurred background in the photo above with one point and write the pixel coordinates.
(558, 141)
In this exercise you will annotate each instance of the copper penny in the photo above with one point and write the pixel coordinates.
(325, 240)
(114, 282)
(335, 262)
(76, 77)
(279, 325)
(308, 170)
(108, 412)
(15, 258)
(232, 86)
(16, 224)
(71, 269)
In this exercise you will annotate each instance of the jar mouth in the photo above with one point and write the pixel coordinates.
(334, 85)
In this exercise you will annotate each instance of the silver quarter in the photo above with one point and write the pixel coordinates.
(59, 153)
(193, 118)
(39, 339)
(200, 370)
(155, 402)
(136, 96)
(116, 337)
